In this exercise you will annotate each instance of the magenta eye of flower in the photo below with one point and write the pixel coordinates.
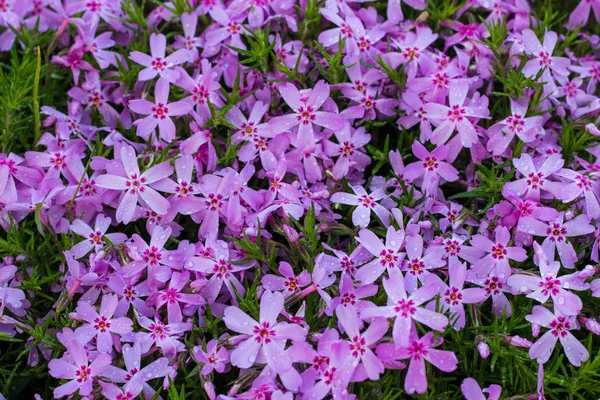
(405, 308)
(348, 298)
(233, 27)
(367, 201)
(96, 238)
(430, 163)
(212, 359)
(102, 324)
(545, 59)
(453, 296)
(499, 252)
(94, 6)
(158, 64)
(456, 113)
(83, 373)
(583, 182)
(263, 332)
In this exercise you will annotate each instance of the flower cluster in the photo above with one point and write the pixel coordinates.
(272, 199)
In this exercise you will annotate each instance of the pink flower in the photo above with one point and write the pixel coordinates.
(472, 391)
(361, 216)
(76, 367)
(419, 350)
(305, 106)
(543, 59)
(559, 326)
(159, 113)
(101, 326)
(534, 178)
(387, 257)
(498, 254)
(157, 63)
(557, 234)
(215, 358)
(266, 336)
(430, 168)
(456, 116)
(406, 309)
(136, 185)
(548, 285)
(94, 238)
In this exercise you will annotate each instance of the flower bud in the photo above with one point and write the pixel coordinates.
(291, 234)
(483, 349)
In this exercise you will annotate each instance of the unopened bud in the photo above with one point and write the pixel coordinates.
(291, 234)
(483, 349)
(518, 341)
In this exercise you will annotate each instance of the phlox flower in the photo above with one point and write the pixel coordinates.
(135, 185)
(456, 116)
(365, 203)
(496, 254)
(94, 238)
(418, 350)
(557, 233)
(453, 296)
(159, 113)
(559, 327)
(542, 58)
(430, 168)
(548, 284)
(134, 375)
(75, 365)
(215, 358)
(387, 257)
(406, 309)
(266, 338)
(305, 106)
(101, 325)
(157, 63)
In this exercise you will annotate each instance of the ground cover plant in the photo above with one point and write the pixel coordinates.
(281, 199)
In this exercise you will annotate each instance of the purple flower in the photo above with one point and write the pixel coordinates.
(94, 238)
(360, 344)
(159, 113)
(559, 327)
(215, 358)
(406, 309)
(498, 254)
(266, 336)
(503, 133)
(76, 367)
(305, 106)
(134, 375)
(172, 296)
(419, 350)
(218, 264)
(547, 285)
(534, 178)
(454, 296)
(472, 391)
(543, 59)
(165, 336)
(556, 234)
(430, 168)
(288, 283)
(157, 63)
(455, 117)
(136, 185)
(417, 265)
(365, 202)
(101, 326)
(387, 256)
